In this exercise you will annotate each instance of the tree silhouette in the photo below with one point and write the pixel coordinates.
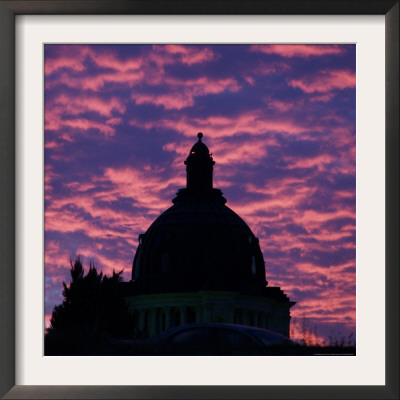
(93, 313)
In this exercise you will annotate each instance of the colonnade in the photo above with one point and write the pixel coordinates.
(149, 321)
(255, 318)
(152, 320)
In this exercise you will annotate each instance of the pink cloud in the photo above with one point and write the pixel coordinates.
(298, 50)
(173, 101)
(73, 57)
(59, 110)
(85, 124)
(73, 105)
(103, 215)
(53, 64)
(49, 176)
(253, 123)
(130, 71)
(47, 319)
(68, 57)
(104, 224)
(143, 185)
(53, 145)
(250, 80)
(323, 97)
(281, 106)
(55, 122)
(56, 258)
(97, 82)
(271, 68)
(110, 60)
(70, 213)
(65, 214)
(313, 218)
(284, 199)
(106, 264)
(304, 334)
(319, 162)
(204, 85)
(114, 121)
(80, 186)
(186, 54)
(182, 92)
(240, 152)
(325, 81)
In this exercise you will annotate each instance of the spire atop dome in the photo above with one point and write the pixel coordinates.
(199, 167)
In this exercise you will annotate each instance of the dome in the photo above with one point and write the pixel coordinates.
(199, 243)
(199, 150)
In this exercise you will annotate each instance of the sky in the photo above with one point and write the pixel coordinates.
(280, 122)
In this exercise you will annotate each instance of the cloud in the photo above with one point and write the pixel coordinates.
(320, 162)
(181, 93)
(49, 177)
(72, 105)
(232, 154)
(143, 185)
(188, 55)
(252, 123)
(285, 158)
(281, 106)
(97, 82)
(110, 69)
(78, 56)
(298, 50)
(68, 111)
(111, 61)
(175, 101)
(325, 81)
(323, 97)
(52, 65)
(86, 124)
(114, 121)
(269, 68)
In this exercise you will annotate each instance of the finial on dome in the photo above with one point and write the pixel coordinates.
(200, 135)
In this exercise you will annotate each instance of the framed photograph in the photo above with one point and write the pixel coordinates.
(110, 106)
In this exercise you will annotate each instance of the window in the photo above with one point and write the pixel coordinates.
(141, 236)
(253, 265)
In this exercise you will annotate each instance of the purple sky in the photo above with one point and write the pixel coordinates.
(280, 122)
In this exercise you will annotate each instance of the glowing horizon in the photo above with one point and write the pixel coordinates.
(280, 122)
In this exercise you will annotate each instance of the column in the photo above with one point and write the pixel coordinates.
(182, 315)
(247, 317)
(260, 322)
(150, 323)
(207, 317)
(163, 320)
(141, 320)
(198, 314)
(231, 313)
(167, 311)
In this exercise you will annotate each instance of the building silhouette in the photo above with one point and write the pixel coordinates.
(199, 262)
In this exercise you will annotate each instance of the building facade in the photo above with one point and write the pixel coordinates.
(199, 262)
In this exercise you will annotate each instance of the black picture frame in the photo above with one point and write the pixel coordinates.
(8, 9)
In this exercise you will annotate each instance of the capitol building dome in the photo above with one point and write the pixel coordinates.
(199, 243)
(200, 262)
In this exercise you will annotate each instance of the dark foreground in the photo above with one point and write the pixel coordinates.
(190, 340)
